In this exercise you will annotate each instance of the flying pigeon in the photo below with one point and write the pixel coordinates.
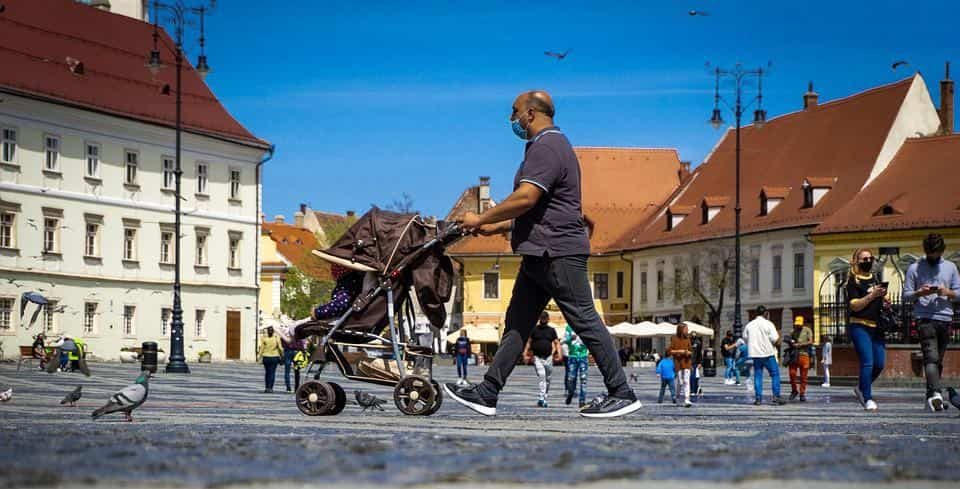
(6, 395)
(694, 13)
(128, 399)
(559, 56)
(35, 298)
(954, 398)
(634, 378)
(72, 397)
(898, 64)
(369, 401)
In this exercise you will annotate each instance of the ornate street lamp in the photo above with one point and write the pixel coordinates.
(738, 74)
(179, 13)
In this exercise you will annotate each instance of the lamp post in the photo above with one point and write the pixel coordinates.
(738, 74)
(179, 13)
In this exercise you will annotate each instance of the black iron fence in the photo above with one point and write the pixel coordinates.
(832, 315)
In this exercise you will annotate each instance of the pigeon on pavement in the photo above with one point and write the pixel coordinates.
(954, 398)
(6, 395)
(72, 397)
(369, 401)
(128, 399)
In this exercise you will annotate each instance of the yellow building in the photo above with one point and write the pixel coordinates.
(914, 196)
(621, 187)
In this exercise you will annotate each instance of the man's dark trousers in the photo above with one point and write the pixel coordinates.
(934, 338)
(565, 280)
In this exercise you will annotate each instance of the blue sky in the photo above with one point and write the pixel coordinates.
(368, 100)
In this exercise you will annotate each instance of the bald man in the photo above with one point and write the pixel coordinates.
(549, 231)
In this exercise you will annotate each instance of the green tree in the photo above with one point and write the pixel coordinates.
(302, 293)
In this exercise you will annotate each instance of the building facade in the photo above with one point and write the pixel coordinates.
(87, 193)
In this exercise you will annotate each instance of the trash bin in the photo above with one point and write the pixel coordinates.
(709, 362)
(148, 356)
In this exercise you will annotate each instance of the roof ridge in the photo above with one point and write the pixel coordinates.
(926, 139)
(626, 148)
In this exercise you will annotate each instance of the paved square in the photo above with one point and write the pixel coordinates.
(216, 427)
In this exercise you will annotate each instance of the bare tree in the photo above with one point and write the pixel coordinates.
(706, 278)
(403, 205)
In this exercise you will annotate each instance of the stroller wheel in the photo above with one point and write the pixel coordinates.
(316, 398)
(340, 399)
(438, 401)
(414, 395)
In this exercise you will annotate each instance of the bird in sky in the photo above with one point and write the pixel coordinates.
(559, 56)
(701, 13)
(897, 64)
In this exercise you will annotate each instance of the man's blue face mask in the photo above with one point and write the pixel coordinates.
(518, 130)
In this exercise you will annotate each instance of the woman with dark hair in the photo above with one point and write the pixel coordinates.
(681, 352)
(865, 296)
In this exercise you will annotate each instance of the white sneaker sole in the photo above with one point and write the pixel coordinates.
(630, 408)
(484, 410)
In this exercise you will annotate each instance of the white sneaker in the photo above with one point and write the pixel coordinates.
(870, 405)
(935, 402)
(856, 392)
(825, 384)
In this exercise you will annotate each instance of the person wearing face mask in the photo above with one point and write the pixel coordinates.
(933, 284)
(865, 296)
(549, 231)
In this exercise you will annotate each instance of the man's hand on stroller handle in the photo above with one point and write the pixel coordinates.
(499, 218)
(470, 223)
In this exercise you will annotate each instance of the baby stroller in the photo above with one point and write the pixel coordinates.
(397, 253)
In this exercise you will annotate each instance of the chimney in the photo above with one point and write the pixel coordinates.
(810, 98)
(684, 171)
(101, 4)
(298, 219)
(946, 103)
(278, 219)
(303, 208)
(484, 194)
(351, 213)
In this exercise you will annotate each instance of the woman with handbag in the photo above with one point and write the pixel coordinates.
(865, 296)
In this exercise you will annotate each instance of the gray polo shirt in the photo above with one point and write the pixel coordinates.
(555, 225)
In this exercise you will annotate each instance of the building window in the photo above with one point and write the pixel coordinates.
(601, 287)
(234, 252)
(132, 159)
(677, 285)
(235, 184)
(777, 272)
(695, 277)
(50, 316)
(165, 315)
(51, 235)
(128, 315)
(619, 285)
(202, 178)
(130, 244)
(6, 314)
(92, 243)
(491, 285)
(8, 145)
(89, 317)
(93, 160)
(201, 257)
(798, 271)
(51, 150)
(643, 287)
(169, 173)
(166, 246)
(198, 329)
(8, 236)
(659, 285)
(755, 275)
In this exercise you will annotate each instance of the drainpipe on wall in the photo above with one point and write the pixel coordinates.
(460, 290)
(256, 251)
(630, 268)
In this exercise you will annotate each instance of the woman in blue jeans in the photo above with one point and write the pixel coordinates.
(865, 296)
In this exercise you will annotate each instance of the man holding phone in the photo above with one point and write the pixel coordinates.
(933, 284)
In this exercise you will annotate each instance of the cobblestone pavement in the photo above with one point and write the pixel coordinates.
(216, 427)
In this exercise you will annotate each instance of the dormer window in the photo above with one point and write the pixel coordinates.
(771, 197)
(710, 207)
(814, 188)
(676, 214)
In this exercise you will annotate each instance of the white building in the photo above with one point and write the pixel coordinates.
(87, 190)
(796, 171)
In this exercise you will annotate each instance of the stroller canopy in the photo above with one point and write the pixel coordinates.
(378, 241)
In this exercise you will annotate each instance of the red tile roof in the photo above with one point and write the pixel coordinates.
(775, 192)
(296, 245)
(41, 39)
(621, 187)
(919, 186)
(838, 141)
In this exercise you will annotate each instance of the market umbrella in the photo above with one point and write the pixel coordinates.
(698, 328)
(478, 333)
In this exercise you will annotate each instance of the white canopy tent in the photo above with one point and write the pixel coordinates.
(699, 329)
(647, 329)
(478, 333)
